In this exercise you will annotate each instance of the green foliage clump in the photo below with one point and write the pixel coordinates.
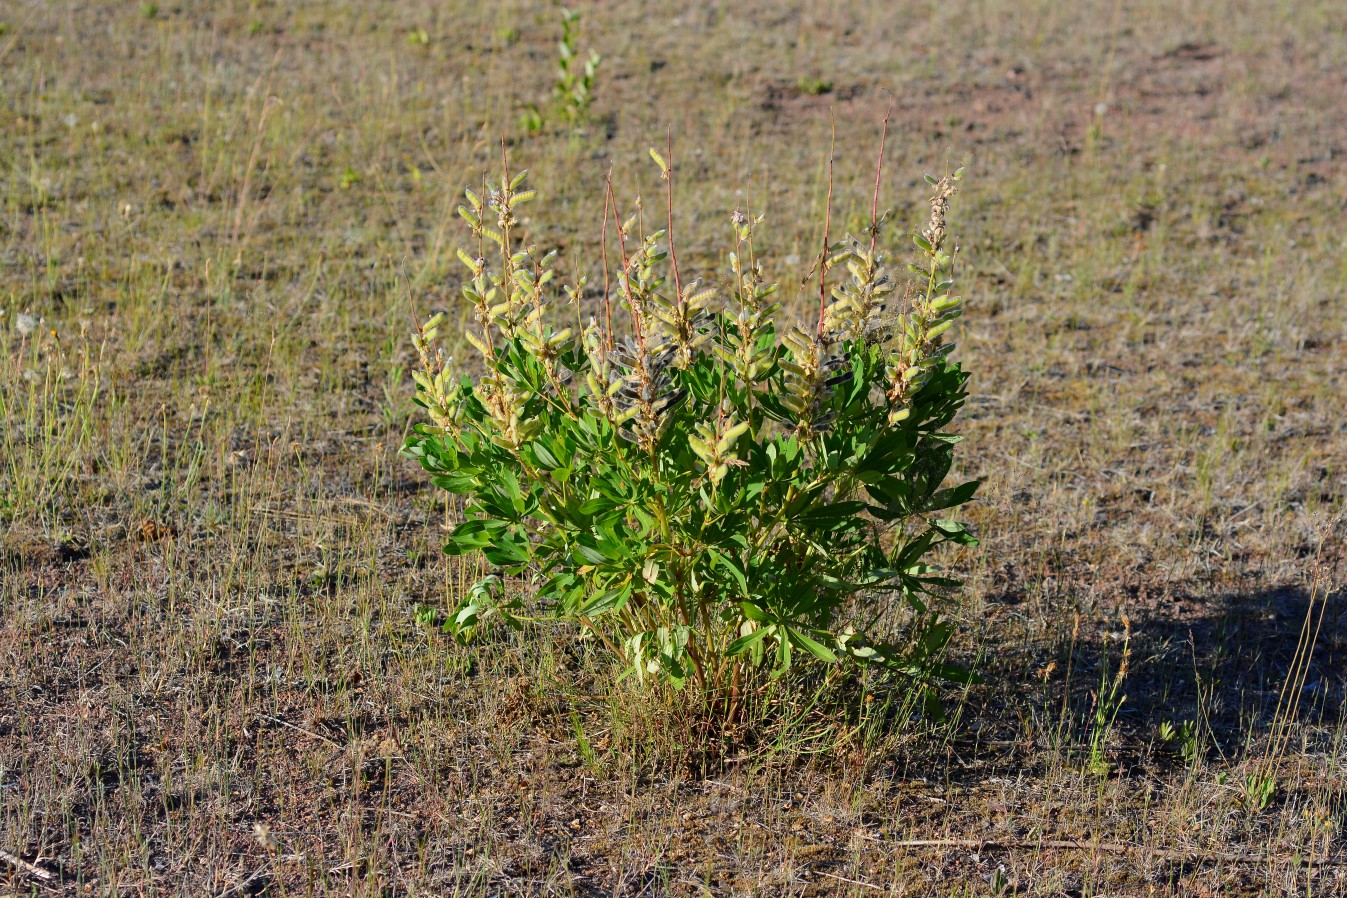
(814, 87)
(572, 92)
(709, 498)
(575, 79)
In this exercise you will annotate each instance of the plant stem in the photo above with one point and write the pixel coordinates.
(668, 199)
(827, 225)
(879, 173)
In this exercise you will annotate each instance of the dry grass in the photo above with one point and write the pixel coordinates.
(210, 556)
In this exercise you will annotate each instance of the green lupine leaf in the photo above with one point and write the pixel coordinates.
(510, 548)
(834, 513)
(811, 645)
(955, 532)
(543, 455)
(472, 535)
(753, 612)
(612, 600)
(744, 643)
(953, 497)
(590, 554)
(727, 564)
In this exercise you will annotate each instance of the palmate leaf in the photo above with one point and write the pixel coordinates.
(754, 613)
(724, 562)
(590, 554)
(510, 549)
(893, 498)
(542, 456)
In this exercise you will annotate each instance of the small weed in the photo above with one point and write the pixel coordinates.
(1183, 737)
(1258, 792)
(814, 87)
(582, 743)
(1107, 702)
(531, 119)
(575, 79)
(572, 92)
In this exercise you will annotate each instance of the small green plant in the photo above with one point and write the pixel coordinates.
(575, 79)
(1259, 788)
(1183, 737)
(582, 743)
(531, 119)
(572, 92)
(814, 87)
(1107, 702)
(706, 497)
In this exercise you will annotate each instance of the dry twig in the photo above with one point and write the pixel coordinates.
(26, 866)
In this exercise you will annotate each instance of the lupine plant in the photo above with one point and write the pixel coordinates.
(572, 92)
(575, 78)
(707, 497)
